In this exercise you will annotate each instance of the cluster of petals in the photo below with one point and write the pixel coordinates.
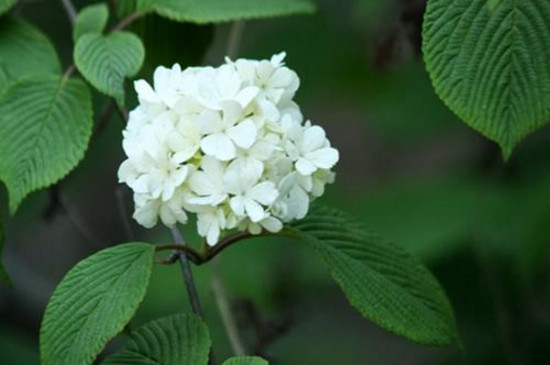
(227, 144)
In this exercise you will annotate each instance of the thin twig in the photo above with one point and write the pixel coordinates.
(224, 306)
(200, 258)
(193, 255)
(71, 11)
(127, 21)
(187, 273)
(234, 40)
(168, 260)
(225, 243)
(189, 281)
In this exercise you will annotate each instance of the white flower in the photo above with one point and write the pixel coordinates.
(149, 210)
(210, 224)
(314, 151)
(224, 84)
(207, 183)
(227, 144)
(268, 223)
(185, 139)
(226, 131)
(241, 179)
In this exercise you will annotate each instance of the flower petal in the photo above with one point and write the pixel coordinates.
(201, 184)
(237, 205)
(305, 167)
(314, 138)
(243, 134)
(324, 158)
(145, 92)
(272, 224)
(246, 95)
(264, 193)
(254, 210)
(220, 146)
(209, 121)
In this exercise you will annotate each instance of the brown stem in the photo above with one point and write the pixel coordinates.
(193, 255)
(126, 22)
(210, 252)
(223, 244)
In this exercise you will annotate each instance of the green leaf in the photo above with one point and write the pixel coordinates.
(176, 340)
(106, 60)
(91, 19)
(387, 285)
(215, 11)
(93, 303)
(6, 5)
(245, 360)
(45, 126)
(4, 278)
(489, 62)
(24, 52)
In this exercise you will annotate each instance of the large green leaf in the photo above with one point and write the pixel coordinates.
(215, 11)
(24, 52)
(93, 303)
(91, 19)
(387, 285)
(176, 340)
(6, 5)
(4, 278)
(106, 60)
(245, 360)
(45, 126)
(490, 63)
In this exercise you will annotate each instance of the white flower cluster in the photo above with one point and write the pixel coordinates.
(226, 143)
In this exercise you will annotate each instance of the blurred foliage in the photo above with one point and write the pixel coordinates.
(410, 170)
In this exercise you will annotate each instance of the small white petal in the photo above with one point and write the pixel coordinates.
(269, 110)
(264, 193)
(277, 59)
(254, 210)
(246, 95)
(314, 138)
(147, 214)
(202, 184)
(243, 134)
(210, 121)
(324, 158)
(127, 172)
(305, 167)
(254, 228)
(232, 112)
(237, 205)
(271, 224)
(210, 200)
(220, 146)
(213, 235)
(145, 92)
(264, 70)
